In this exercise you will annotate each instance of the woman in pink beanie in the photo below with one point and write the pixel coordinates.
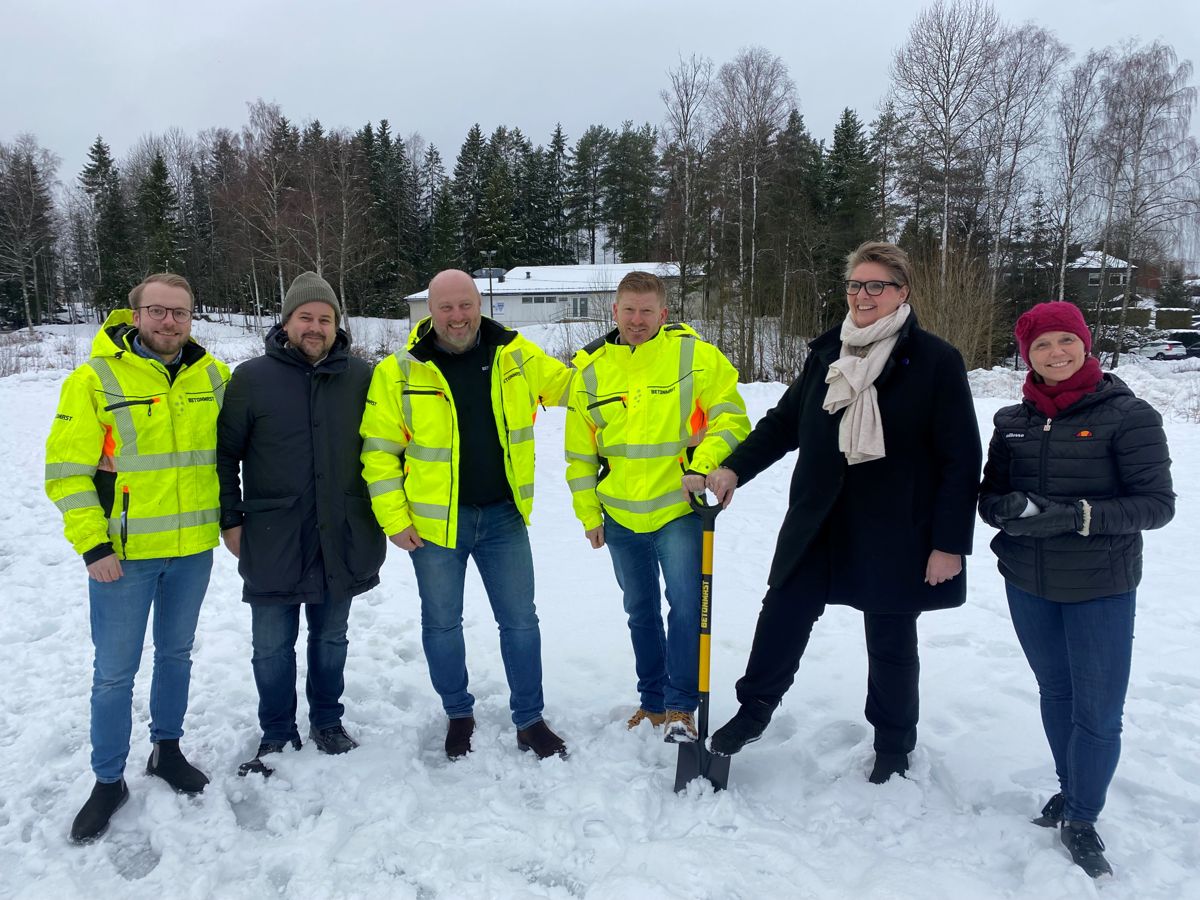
(1074, 475)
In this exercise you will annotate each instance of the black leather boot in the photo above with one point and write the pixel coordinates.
(168, 763)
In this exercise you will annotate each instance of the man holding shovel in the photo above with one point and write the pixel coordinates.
(650, 402)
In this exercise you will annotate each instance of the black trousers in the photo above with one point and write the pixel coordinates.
(781, 636)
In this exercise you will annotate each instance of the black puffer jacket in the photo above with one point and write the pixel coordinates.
(1108, 449)
(301, 499)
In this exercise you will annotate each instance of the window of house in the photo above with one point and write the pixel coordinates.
(1115, 278)
(1093, 279)
(526, 299)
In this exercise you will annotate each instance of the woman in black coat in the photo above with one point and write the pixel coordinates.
(1074, 474)
(882, 502)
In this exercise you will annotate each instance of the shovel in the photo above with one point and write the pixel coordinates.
(695, 759)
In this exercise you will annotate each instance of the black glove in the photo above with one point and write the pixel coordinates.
(1054, 519)
(996, 510)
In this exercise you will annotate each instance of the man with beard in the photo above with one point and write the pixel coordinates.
(297, 515)
(448, 453)
(130, 463)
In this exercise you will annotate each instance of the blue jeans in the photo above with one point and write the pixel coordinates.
(667, 662)
(275, 628)
(174, 587)
(1080, 654)
(496, 538)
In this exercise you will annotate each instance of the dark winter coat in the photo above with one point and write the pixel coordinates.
(884, 517)
(301, 499)
(1108, 449)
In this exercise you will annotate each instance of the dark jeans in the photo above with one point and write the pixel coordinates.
(893, 667)
(173, 587)
(667, 662)
(1080, 655)
(275, 629)
(496, 538)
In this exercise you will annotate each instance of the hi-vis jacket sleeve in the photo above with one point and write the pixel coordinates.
(726, 421)
(551, 379)
(583, 461)
(385, 436)
(73, 450)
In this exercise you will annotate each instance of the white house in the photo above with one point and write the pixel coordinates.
(527, 295)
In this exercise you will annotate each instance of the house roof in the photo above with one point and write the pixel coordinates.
(1094, 259)
(579, 279)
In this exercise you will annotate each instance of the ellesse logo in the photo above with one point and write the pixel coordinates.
(1083, 434)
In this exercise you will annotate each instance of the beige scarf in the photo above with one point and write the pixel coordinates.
(851, 381)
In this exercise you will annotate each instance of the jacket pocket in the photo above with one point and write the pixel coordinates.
(365, 547)
(270, 562)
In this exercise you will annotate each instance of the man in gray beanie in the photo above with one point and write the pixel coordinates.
(309, 287)
(296, 513)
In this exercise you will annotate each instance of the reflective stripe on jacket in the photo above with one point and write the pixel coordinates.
(131, 456)
(411, 436)
(632, 416)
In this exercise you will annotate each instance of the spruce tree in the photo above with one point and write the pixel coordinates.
(158, 234)
(114, 266)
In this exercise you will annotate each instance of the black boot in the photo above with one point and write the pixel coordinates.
(92, 821)
(458, 737)
(887, 765)
(1052, 812)
(541, 740)
(746, 727)
(266, 748)
(332, 740)
(1087, 850)
(168, 763)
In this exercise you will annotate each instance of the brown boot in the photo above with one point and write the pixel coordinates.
(681, 727)
(644, 715)
(458, 737)
(541, 740)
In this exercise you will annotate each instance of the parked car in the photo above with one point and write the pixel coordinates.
(1162, 350)
(1194, 350)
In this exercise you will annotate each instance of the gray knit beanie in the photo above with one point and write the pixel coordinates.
(307, 288)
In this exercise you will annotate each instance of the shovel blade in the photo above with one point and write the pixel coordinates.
(697, 761)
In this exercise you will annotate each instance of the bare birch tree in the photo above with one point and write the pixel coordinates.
(939, 80)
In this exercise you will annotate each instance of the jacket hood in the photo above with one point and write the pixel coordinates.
(115, 338)
(421, 339)
(277, 348)
(669, 331)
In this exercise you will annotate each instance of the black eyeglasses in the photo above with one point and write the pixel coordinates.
(874, 288)
(158, 313)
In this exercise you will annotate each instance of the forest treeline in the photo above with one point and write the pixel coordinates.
(993, 156)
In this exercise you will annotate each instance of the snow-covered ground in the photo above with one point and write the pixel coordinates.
(395, 819)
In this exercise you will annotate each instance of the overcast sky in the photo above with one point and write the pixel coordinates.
(124, 68)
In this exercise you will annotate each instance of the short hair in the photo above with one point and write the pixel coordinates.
(884, 254)
(643, 283)
(168, 278)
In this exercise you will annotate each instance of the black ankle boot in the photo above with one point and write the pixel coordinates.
(887, 765)
(92, 821)
(1052, 812)
(746, 727)
(1086, 848)
(168, 763)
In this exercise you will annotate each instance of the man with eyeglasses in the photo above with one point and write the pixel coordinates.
(131, 464)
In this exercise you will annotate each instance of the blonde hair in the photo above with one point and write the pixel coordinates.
(884, 254)
(168, 278)
(643, 283)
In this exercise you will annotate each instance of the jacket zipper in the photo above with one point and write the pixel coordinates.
(125, 521)
(1037, 542)
(149, 404)
(620, 400)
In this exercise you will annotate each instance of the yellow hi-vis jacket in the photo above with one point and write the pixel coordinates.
(633, 415)
(411, 437)
(131, 458)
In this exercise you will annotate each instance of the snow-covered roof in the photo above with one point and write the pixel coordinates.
(579, 279)
(1094, 259)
